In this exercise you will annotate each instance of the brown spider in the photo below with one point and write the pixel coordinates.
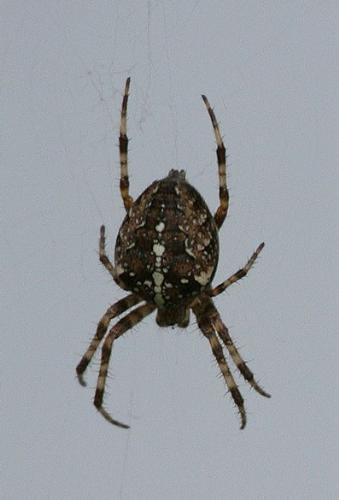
(166, 254)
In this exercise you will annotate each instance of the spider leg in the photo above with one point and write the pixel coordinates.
(221, 212)
(123, 149)
(113, 311)
(238, 275)
(104, 258)
(208, 330)
(224, 335)
(124, 324)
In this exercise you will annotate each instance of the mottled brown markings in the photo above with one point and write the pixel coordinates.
(167, 252)
(174, 254)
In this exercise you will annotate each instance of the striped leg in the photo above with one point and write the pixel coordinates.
(123, 149)
(208, 331)
(221, 212)
(204, 313)
(113, 311)
(103, 256)
(238, 275)
(224, 335)
(126, 323)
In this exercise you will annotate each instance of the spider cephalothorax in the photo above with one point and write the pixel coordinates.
(166, 254)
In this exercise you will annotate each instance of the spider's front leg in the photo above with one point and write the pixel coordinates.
(123, 150)
(222, 210)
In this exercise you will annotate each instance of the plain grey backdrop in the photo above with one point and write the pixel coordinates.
(270, 70)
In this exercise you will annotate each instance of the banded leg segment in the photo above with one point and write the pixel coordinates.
(225, 337)
(238, 275)
(208, 330)
(221, 212)
(123, 150)
(125, 323)
(113, 311)
(103, 256)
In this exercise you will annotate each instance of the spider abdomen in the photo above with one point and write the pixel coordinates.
(167, 247)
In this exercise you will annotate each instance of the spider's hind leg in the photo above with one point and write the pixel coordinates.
(225, 337)
(201, 312)
(124, 324)
(113, 311)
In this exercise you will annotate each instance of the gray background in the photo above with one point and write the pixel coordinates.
(270, 69)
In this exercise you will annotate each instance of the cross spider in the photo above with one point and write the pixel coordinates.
(166, 254)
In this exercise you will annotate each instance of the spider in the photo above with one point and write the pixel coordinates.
(166, 255)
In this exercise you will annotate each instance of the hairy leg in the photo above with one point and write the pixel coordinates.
(126, 323)
(225, 337)
(113, 311)
(123, 149)
(200, 309)
(238, 275)
(221, 212)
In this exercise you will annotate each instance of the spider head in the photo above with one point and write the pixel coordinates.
(170, 316)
